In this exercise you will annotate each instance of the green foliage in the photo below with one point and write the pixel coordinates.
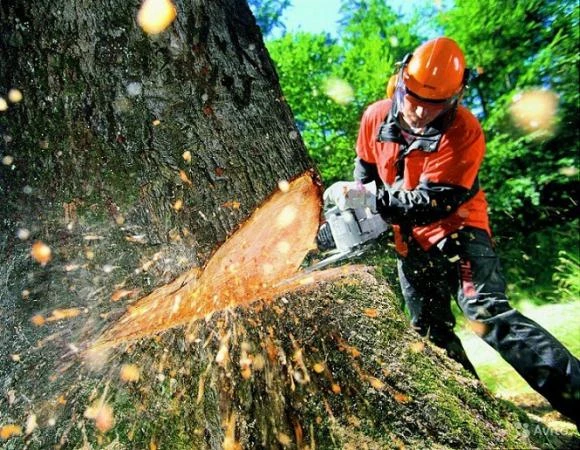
(533, 264)
(304, 62)
(567, 274)
(373, 37)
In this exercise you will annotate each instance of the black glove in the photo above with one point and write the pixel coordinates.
(383, 204)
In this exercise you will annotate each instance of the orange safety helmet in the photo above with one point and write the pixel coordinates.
(436, 70)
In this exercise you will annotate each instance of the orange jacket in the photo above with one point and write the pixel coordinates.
(452, 162)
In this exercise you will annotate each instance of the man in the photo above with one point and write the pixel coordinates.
(423, 150)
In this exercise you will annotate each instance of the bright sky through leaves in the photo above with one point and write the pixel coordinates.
(323, 15)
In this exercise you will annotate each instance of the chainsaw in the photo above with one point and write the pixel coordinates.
(346, 234)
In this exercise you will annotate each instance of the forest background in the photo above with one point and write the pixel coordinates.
(524, 89)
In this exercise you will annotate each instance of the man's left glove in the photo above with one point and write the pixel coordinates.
(350, 195)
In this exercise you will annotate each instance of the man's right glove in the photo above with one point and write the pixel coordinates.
(349, 194)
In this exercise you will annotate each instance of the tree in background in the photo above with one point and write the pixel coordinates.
(329, 81)
(305, 63)
(374, 38)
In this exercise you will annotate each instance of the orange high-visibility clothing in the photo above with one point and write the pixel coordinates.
(455, 161)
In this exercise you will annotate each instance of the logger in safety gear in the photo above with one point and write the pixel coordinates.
(429, 86)
(424, 150)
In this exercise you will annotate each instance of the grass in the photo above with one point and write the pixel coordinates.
(559, 319)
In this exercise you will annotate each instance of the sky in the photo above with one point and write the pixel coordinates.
(312, 16)
(322, 15)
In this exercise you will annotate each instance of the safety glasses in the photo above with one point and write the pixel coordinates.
(404, 94)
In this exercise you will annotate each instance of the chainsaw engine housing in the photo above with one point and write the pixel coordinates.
(353, 227)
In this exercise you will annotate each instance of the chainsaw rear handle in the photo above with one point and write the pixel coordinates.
(324, 239)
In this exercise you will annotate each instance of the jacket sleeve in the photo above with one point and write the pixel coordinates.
(427, 203)
(365, 172)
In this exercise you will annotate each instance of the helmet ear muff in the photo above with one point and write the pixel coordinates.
(391, 86)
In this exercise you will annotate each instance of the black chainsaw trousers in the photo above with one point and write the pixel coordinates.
(465, 265)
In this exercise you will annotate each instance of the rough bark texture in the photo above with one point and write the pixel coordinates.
(96, 178)
(94, 84)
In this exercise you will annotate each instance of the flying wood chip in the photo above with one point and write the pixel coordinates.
(41, 253)
(10, 430)
(260, 260)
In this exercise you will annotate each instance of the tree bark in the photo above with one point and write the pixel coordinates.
(116, 131)
(132, 158)
(94, 84)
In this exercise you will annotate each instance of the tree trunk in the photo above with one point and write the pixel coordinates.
(132, 158)
(86, 134)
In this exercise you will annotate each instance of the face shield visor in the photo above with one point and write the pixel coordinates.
(416, 113)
